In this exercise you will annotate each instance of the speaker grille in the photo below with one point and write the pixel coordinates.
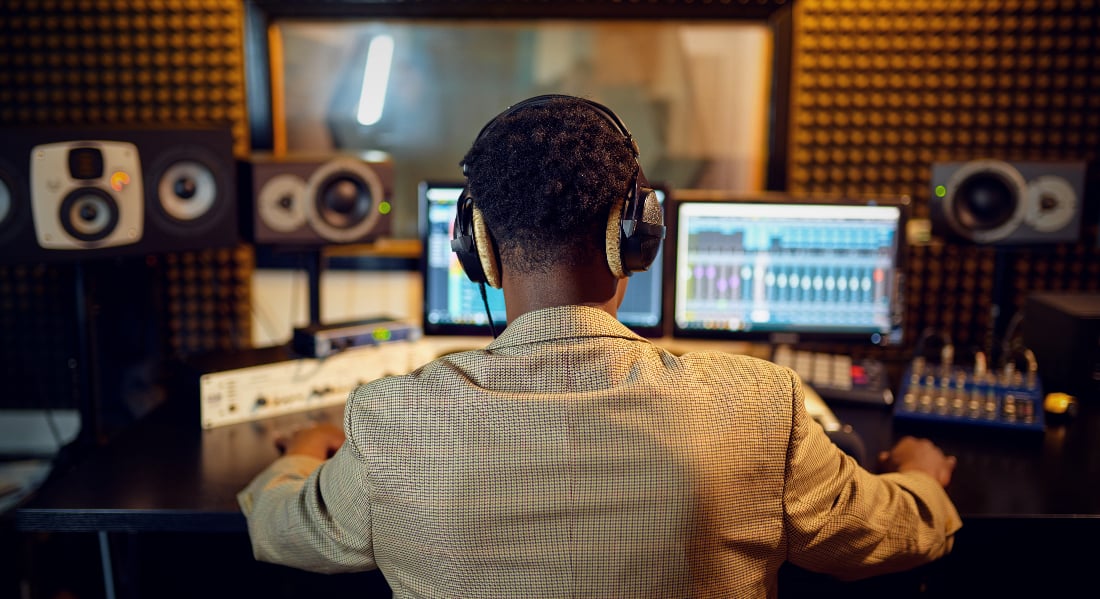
(882, 90)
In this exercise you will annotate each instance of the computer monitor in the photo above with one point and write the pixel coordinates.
(452, 303)
(786, 269)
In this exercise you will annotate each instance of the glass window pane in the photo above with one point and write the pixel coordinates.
(693, 94)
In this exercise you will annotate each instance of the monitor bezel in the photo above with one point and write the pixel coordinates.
(896, 337)
(483, 330)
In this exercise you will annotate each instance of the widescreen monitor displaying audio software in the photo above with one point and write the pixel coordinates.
(783, 269)
(453, 304)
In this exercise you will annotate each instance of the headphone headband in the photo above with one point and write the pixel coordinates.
(632, 248)
(604, 111)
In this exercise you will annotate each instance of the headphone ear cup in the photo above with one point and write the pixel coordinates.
(486, 251)
(640, 249)
(613, 240)
(463, 243)
(628, 253)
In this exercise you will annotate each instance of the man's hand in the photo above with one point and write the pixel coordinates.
(320, 441)
(911, 453)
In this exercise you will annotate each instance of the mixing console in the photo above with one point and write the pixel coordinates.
(975, 396)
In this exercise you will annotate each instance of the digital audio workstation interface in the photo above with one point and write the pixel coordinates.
(756, 267)
(453, 304)
(785, 271)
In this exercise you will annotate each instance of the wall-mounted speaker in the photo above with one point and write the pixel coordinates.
(86, 193)
(1008, 203)
(309, 201)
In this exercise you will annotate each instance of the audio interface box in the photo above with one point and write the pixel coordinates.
(254, 384)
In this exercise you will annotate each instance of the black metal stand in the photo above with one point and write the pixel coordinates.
(1001, 310)
(85, 366)
(315, 265)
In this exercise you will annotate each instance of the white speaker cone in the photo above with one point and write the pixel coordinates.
(280, 203)
(187, 190)
(1052, 203)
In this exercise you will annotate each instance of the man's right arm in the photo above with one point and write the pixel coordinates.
(849, 523)
(913, 454)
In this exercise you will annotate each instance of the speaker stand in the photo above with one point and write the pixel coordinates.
(1001, 310)
(314, 265)
(86, 369)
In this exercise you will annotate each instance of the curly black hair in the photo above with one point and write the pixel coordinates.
(545, 178)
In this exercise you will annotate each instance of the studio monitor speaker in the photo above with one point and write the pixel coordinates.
(309, 201)
(82, 193)
(1008, 203)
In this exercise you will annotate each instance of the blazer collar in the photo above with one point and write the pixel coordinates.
(562, 322)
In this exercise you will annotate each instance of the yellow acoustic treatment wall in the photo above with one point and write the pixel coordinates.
(124, 63)
(883, 89)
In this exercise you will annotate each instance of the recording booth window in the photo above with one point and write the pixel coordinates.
(695, 94)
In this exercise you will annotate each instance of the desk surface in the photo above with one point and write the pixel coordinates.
(165, 473)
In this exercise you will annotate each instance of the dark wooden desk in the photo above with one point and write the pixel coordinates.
(1026, 499)
(164, 474)
(1030, 504)
(1006, 474)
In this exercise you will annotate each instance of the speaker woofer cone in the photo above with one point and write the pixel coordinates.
(342, 198)
(984, 200)
(344, 201)
(89, 214)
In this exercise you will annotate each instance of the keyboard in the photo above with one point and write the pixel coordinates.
(837, 377)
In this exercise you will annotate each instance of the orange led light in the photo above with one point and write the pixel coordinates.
(119, 180)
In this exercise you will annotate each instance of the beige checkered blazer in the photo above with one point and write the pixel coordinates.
(572, 458)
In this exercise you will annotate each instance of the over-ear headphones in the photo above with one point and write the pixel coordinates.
(635, 225)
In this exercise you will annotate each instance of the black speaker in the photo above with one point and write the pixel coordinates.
(1063, 329)
(316, 200)
(1008, 203)
(85, 193)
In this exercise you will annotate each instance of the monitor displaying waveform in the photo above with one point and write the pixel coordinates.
(780, 267)
(452, 303)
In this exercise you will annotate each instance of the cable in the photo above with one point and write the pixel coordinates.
(488, 312)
